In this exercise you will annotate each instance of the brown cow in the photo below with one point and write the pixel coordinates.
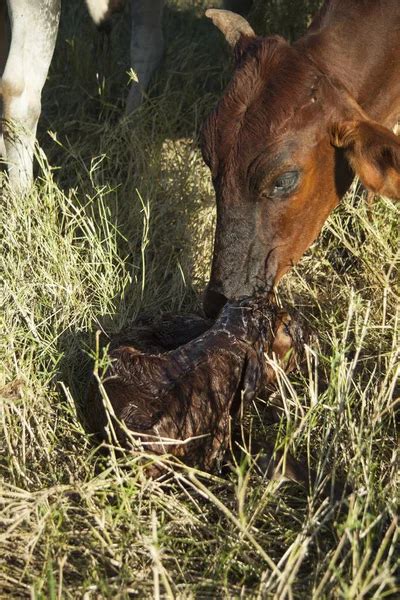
(294, 126)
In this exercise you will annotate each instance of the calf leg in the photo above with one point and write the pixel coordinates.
(34, 25)
(274, 464)
(147, 46)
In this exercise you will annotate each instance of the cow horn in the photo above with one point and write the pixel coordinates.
(231, 24)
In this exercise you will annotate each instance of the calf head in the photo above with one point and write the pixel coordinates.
(269, 331)
(288, 343)
(283, 145)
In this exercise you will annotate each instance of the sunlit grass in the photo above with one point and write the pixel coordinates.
(122, 223)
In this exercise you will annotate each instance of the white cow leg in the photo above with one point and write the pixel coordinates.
(34, 26)
(147, 46)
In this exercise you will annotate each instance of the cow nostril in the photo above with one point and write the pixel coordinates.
(213, 302)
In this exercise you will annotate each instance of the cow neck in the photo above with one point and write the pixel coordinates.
(368, 71)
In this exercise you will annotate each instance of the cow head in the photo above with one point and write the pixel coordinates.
(282, 145)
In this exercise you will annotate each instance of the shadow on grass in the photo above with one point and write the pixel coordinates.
(143, 170)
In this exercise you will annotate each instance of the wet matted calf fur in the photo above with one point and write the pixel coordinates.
(173, 387)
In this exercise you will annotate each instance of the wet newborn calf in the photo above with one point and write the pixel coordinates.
(179, 401)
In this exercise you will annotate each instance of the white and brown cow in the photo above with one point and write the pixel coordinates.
(28, 32)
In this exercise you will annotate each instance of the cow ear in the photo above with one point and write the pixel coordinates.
(232, 25)
(373, 152)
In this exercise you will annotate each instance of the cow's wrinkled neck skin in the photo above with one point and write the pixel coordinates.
(293, 127)
(360, 51)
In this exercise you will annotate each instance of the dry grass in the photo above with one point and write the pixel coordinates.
(123, 223)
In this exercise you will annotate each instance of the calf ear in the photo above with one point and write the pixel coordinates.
(252, 377)
(373, 152)
(233, 26)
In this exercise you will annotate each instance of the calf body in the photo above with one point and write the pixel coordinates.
(294, 126)
(180, 401)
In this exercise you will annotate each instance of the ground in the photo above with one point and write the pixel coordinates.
(120, 221)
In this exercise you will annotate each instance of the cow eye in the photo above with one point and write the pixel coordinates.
(285, 183)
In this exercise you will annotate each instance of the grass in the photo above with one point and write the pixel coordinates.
(121, 223)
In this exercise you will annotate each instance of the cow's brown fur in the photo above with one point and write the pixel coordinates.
(320, 108)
